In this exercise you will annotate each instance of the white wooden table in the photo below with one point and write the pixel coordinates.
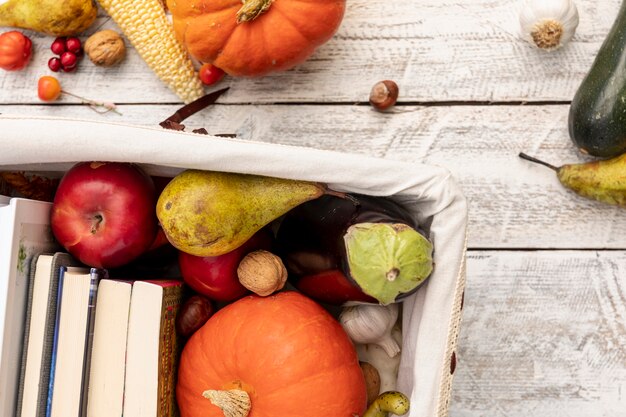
(544, 328)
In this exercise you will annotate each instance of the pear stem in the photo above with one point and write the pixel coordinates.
(345, 196)
(537, 161)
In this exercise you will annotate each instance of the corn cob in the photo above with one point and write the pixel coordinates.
(145, 25)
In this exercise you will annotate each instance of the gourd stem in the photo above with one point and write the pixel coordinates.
(251, 9)
(537, 161)
(392, 274)
(388, 402)
(233, 403)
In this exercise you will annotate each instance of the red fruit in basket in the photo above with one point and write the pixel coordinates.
(68, 60)
(73, 45)
(103, 213)
(372, 244)
(58, 46)
(210, 74)
(216, 276)
(48, 88)
(54, 64)
(331, 286)
(15, 50)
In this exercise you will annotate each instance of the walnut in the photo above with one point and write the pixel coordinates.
(262, 272)
(105, 48)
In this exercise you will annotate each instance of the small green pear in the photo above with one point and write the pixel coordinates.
(53, 17)
(206, 213)
(603, 180)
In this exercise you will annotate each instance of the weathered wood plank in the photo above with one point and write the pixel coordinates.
(437, 51)
(543, 334)
(513, 204)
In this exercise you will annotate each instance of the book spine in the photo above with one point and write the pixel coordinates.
(59, 259)
(96, 275)
(169, 352)
(55, 339)
(29, 307)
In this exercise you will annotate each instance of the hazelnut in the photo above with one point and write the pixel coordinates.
(105, 48)
(262, 272)
(372, 381)
(384, 94)
(193, 314)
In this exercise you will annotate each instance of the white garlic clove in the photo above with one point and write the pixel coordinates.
(371, 323)
(548, 24)
(387, 367)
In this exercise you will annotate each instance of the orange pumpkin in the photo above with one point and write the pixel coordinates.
(259, 37)
(285, 353)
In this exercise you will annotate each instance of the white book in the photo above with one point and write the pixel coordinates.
(25, 230)
(39, 333)
(34, 350)
(108, 357)
(71, 350)
(152, 349)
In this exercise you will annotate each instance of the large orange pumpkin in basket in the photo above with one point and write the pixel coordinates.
(258, 36)
(282, 355)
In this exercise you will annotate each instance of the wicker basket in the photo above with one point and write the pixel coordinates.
(431, 316)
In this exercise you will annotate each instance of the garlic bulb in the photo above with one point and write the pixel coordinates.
(387, 367)
(371, 323)
(548, 24)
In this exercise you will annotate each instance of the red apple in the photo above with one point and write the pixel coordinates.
(216, 276)
(103, 213)
(332, 287)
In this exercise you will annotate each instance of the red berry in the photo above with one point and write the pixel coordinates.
(54, 64)
(70, 69)
(73, 45)
(58, 46)
(68, 60)
(210, 74)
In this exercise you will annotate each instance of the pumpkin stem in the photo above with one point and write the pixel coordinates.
(233, 402)
(251, 9)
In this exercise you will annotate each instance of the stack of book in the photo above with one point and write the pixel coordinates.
(73, 341)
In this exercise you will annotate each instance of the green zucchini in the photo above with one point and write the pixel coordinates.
(597, 117)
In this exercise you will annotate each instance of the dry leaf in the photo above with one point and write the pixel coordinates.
(31, 186)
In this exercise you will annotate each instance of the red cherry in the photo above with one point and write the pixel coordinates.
(210, 74)
(58, 46)
(68, 60)
(73, 45)
(54, 64)
(70, 69)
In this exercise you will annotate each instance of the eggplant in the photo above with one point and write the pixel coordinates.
(355, 248)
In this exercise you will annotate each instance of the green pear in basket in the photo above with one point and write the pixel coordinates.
(206, 213)
(357, 249)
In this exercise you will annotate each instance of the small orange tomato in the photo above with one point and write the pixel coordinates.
(15, 50)
(48, 88)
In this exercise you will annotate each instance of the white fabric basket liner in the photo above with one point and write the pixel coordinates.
(431, 316)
